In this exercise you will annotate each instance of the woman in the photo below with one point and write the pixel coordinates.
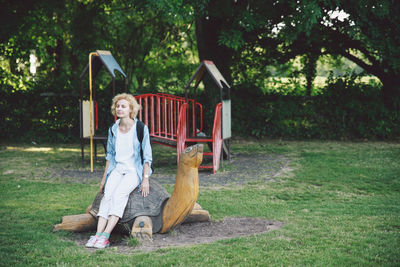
(125, 170)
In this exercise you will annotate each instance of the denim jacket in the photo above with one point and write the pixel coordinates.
(147, 153)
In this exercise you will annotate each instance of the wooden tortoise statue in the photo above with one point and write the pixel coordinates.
(158, 212)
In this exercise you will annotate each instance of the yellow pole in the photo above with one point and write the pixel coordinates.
(90, 111)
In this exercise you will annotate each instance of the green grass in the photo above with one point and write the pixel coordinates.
(132, 241)
(340, 205)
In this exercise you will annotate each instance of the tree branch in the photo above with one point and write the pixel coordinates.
(350, 43)
(373, 69)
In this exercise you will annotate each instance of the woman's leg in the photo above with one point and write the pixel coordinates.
(112, 222)
(128, 183)
(114, 204)
(105, 205)
(103, 214)
(101, 224)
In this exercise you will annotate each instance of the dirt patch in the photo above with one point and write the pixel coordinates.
(242, 169)
(190, 234)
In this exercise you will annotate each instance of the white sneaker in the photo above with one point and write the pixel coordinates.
(92, 240)
(102, 242)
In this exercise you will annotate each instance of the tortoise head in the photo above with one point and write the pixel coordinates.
(192, 156)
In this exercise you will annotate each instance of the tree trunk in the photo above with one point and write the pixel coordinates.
(207, 34)
(58, 56)
(391, 91)
(310, 70)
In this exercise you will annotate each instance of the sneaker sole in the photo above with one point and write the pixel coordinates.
(106, 246)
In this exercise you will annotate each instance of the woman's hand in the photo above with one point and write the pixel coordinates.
(145, 187)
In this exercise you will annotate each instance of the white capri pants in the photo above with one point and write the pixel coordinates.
(119, 185)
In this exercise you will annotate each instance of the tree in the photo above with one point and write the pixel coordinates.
(62, 33)
(282, 29)
(372, 30)
(152, 47)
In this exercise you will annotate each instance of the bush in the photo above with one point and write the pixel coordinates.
(29, 115)
(345, 110)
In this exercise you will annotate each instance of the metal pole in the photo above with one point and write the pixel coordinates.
(90, 111)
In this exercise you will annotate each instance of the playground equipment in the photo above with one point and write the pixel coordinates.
(178, 121)
(221, 132)
(89, 119)
(172, 120)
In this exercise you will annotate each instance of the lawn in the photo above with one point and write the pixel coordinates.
(340, 204)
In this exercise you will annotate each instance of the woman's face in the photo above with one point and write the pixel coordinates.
(122, 109)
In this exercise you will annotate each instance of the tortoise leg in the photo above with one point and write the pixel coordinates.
(142, 228)
(76, 223)
(198, 215)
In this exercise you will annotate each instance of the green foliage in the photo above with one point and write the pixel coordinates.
(154, 48)
(269, 32)
(141, 36)
(232, 39)
(158, 44)
(346, 109)
(28, 115)
(357, 111)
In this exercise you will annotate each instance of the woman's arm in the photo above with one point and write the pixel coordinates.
(147, 159)
(147, 151)
(145, 187)
(103, 181)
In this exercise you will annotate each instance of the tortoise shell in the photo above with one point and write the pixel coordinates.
(137, 205)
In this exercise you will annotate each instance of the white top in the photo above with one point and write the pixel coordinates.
(124, 152)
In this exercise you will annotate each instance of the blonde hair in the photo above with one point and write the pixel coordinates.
(133, 104)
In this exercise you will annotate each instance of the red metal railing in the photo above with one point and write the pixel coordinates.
(167, 117)
(216, 138)
(160, 113)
